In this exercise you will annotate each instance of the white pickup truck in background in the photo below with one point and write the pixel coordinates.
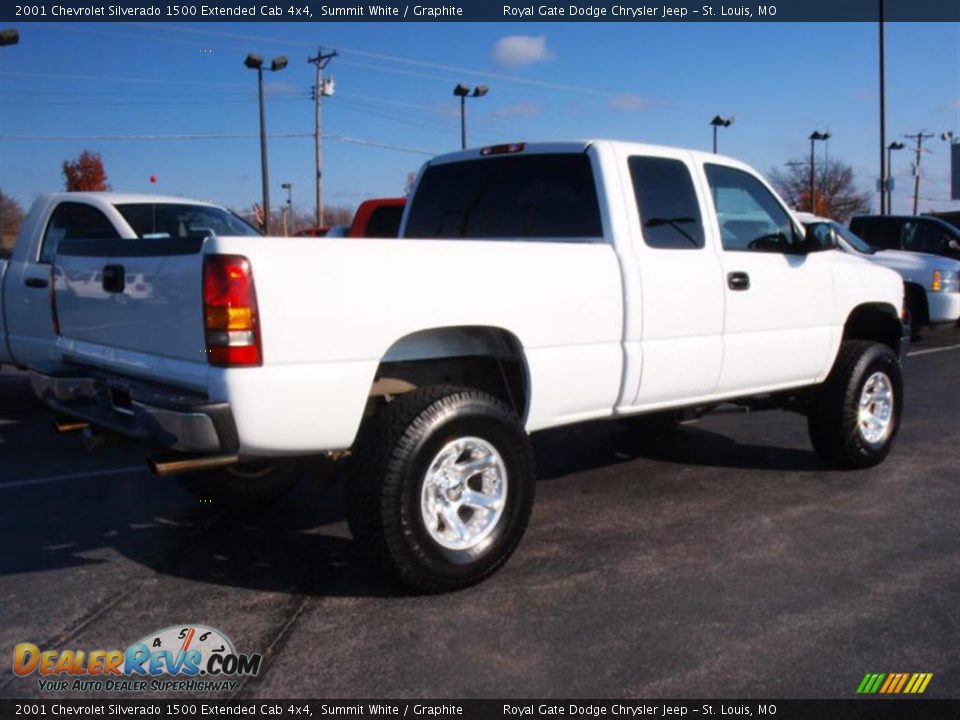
(27, 333)
(533, 285)
(932, 282)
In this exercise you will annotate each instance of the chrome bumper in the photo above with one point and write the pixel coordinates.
(154, 414)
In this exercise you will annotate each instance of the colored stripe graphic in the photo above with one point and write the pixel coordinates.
(894, 683)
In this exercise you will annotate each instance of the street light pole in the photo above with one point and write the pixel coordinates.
(888, 186)
(463, 92)
(264, 172)
(719, 122)
(814, 136)
(255, 62)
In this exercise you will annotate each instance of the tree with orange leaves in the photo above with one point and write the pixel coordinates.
(86, 173)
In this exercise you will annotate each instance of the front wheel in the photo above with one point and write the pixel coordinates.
(441, 487)
(855, 415)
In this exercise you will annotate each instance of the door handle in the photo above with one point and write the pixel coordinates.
(38, 283)
(114, 278)
(738, 281)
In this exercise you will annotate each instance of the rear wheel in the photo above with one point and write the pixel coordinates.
(855, 415)
(441, 487)
(244, 486)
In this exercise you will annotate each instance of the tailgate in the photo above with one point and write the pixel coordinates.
(134, 306)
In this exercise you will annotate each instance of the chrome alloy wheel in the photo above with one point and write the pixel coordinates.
(464, 493)
(875, 416)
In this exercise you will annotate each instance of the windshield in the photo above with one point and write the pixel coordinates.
(159, 221)
(858, 244)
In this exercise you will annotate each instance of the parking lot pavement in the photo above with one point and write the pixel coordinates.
(720, 560)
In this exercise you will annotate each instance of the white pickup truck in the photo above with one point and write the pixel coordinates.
(533, 285)
(27, 333)
(931, 282)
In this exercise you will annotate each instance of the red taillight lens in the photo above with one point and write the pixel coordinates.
(230, 312)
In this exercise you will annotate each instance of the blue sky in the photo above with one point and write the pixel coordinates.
(649, 82)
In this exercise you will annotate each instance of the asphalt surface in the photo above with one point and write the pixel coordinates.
(719, 561)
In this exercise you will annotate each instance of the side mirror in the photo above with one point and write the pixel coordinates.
(818, 237)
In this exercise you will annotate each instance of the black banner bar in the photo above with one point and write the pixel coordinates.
(859, 709)
(513, 11)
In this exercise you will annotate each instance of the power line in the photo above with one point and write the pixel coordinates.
(173, 27)
(216, 136)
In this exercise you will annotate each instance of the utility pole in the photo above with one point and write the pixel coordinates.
(919, 137)
(319, 90)
(884, 170)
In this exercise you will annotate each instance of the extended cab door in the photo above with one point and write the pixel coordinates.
(778, 300)
(29, 313)
(681, 292)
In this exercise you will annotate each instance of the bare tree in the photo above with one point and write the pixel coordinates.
(835, 195)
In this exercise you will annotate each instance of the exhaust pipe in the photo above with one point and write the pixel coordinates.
(92, 439)
(164, 465)
(68, 425)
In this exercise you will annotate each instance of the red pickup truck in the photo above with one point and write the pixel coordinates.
(378, 218)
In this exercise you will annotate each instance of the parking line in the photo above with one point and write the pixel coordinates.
(932, 350)
(75, 476)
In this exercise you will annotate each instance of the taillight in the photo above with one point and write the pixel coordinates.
(230, 312)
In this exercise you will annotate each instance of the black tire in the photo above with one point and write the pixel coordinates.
(833, 419)
(387, 475)
(246, 486)
(916, 302)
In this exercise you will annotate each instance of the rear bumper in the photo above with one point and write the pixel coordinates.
(154, 414)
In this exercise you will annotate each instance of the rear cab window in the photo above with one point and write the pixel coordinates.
(384, 222)
(535, 196)
(74, 221)
(170, 221)
(667, 203)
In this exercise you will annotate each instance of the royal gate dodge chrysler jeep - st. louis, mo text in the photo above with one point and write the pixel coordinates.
(533, 285)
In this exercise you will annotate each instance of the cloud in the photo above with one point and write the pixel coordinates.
(522, 109)
(516, 51)
(629, 101)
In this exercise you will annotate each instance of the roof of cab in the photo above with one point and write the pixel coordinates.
(577, 146)
(119, 198)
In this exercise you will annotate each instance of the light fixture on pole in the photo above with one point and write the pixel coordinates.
(719, 122)
(889, 184)
(463, 92)
(255, 62)
(814, 136)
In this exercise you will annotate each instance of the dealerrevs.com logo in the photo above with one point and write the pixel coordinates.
(181, 657)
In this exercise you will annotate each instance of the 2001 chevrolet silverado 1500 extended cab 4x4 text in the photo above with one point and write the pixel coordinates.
(533, 285)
